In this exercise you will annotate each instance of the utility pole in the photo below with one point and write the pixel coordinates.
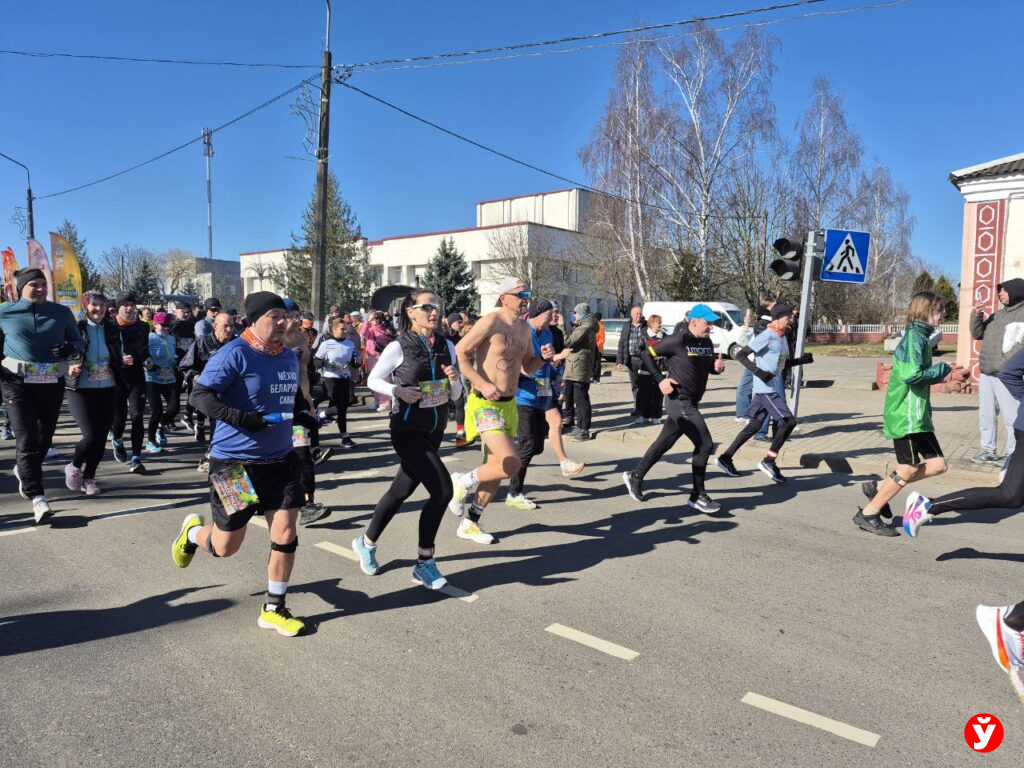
(320, 208)
(31, 220)
(208, 151)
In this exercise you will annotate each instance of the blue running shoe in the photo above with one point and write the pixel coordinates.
(426, 573)
(916, 514)
(161, 437)
(152, 447)
(367, 556)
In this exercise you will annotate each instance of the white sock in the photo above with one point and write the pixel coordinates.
(38, 498)
(277, 587)
(193, 534)
(472, 481)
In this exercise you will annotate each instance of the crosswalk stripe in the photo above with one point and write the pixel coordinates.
(857, 735)
(590, 641)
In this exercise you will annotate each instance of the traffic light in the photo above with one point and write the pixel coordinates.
(791, 254)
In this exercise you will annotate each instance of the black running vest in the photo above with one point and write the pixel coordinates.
(421, 363)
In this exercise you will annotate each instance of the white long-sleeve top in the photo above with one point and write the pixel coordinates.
(391, 358)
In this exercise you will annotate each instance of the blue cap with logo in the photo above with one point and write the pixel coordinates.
(703, 312)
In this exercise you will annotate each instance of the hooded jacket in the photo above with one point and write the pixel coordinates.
(908, 407)
(1001, 333)
(579, 366)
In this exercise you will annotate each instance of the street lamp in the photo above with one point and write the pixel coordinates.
(31, 221)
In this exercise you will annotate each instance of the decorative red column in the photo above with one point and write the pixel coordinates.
(986, 264)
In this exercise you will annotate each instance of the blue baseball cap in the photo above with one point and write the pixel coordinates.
(703, 312)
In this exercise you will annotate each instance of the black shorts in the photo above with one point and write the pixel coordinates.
(277, 483)
(917, 448)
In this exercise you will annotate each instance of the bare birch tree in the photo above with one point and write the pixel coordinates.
(179, 267)
(533, 253)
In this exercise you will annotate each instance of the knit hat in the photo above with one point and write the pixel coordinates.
(291, 305)
(539, 307)
(454, 317)
(125, 297)
(782, 310)
(26, 275)
(582, 310)
(259, 303)
(160, 318)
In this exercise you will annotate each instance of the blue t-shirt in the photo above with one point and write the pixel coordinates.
(252, 381)
(530, 387)
(770, 353)
(162, 348)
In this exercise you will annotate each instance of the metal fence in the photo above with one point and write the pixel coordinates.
(865, 328)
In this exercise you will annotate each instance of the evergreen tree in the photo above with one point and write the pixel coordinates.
(145, 281)
(349, 280)
(91, 277)
(923, 282)
(945, 289)
(449, 276)
(684, 277)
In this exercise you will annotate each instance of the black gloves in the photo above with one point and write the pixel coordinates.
(304, 419)
(764, 375)
(252, 422)
(64, 350)
(805, 359)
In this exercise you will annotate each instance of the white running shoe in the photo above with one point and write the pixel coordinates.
(1005, 643)
(520, 502)
(457, 506)
(472, 531)
(570, 467)
(916, 514)
(73, 477)
(41, 509)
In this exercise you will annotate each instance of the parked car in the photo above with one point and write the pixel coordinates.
(728, 334)
(612, 330)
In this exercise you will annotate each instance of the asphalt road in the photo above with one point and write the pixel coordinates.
(111, 656)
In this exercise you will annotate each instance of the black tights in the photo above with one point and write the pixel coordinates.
(420, 466)
(683, 419)
(532, 430)
(338, 392)
(93, 412)
(775, 407)
(1009, 494)
(158, 415)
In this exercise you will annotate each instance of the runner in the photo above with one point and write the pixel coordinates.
(456, 324)
(422, 363)
(768, 366)
(183, 329)
(500, 344)
(37, 336)
(907, 415)
(250, 386)
(161, 382)
(690, 359)
(92, 385)
(131, 394)
(1003, 627)
(204, 325)
(193, 363)
(533, 399)
(553, 413)
(336, 355)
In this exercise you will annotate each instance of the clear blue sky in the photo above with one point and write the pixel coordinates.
(929, 85)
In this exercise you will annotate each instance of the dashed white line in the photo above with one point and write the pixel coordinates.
(458, 594)
(857, 735)
(259, 521)
(13, 531)
(337, 550)
(590, 641)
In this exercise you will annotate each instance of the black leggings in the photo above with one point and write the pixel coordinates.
(158, 415)
(93, 412)
(338, 391)
(533, 428)
(307, 472)
(776, 409)
(420, 466)
(683, 419)
(1009, 494)
(131, 403)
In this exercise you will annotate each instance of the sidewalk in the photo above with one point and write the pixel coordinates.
(840, 424)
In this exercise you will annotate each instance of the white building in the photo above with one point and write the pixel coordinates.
(548, 224)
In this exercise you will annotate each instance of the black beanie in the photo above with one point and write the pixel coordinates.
(125, 297)
(24, 276)
(259, 303)
(454, 317)
(540, 306)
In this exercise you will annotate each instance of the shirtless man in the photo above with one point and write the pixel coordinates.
(502, 346)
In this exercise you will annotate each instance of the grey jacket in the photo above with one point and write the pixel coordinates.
(579, 366)
(1002, 332)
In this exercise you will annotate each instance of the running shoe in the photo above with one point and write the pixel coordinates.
(200, 434)
(762, 438)
(579, 435)
(570, 467)
(280, 618)
(383, 408)
(873, 524)
(120, 454)
(161, 436)
(985, 457)
(654, 421)
(640, 421)
(367, 556)
(152, 447)
(188, 423)
(182, 549)
(460, 495)
(870, 489)
(137, 466)
(520, 502)
(21, 485)
(769, 467)
(472, 531)
(51, 454)
(73, 477)
(460, 440)
(742, 420)
(346, 443)
(41, 509)
(204, 466)
(632, 483)
(312, 512)
(704, 503)
(90, 487)
(725, 464)
(6, 433)
(426, 573)
(916, 514)
(1005, 643)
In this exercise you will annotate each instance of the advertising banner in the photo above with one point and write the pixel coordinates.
(67, 275)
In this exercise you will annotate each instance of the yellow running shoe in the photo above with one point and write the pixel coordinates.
(280, 619)
(182, 549)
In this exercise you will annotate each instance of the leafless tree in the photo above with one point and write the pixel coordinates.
(120, 264)
(179, 267)
(532, 252)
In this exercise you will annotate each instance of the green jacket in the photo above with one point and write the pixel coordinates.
(908, 407)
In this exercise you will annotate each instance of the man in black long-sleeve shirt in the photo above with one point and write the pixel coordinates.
(690, 359)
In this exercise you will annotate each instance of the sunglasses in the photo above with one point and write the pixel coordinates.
(426, 307)
(523, 295)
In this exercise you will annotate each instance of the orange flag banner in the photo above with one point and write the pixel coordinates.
(10, 266)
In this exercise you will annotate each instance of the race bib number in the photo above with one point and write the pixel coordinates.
(489, 418)
(300, 437)
(543, 386)
(435, 393)
(98, 371)
(234, 488)
(41, 373)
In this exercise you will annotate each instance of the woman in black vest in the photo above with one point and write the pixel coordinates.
(425, 373)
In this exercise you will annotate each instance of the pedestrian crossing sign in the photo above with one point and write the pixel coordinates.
(846, 256)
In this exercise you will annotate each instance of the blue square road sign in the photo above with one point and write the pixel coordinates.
(846, 256)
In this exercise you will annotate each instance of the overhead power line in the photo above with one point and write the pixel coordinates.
(143, 60)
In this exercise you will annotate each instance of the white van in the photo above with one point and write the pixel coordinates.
(728, 334)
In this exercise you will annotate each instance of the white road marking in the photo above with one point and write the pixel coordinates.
(592, 642)
(259, 521)
(459, 594)
(338, 550)
(866, 738)
(361, 474)
(13, 531)
(140, 510)
(449, 459)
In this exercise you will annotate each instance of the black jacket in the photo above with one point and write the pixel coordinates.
(688, 360)
(622, 356)
(135, 342)
(113, 339)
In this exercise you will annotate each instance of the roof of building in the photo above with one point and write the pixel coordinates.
(534, 194)
(1000, 167)
(466, 229)
(257, 253)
